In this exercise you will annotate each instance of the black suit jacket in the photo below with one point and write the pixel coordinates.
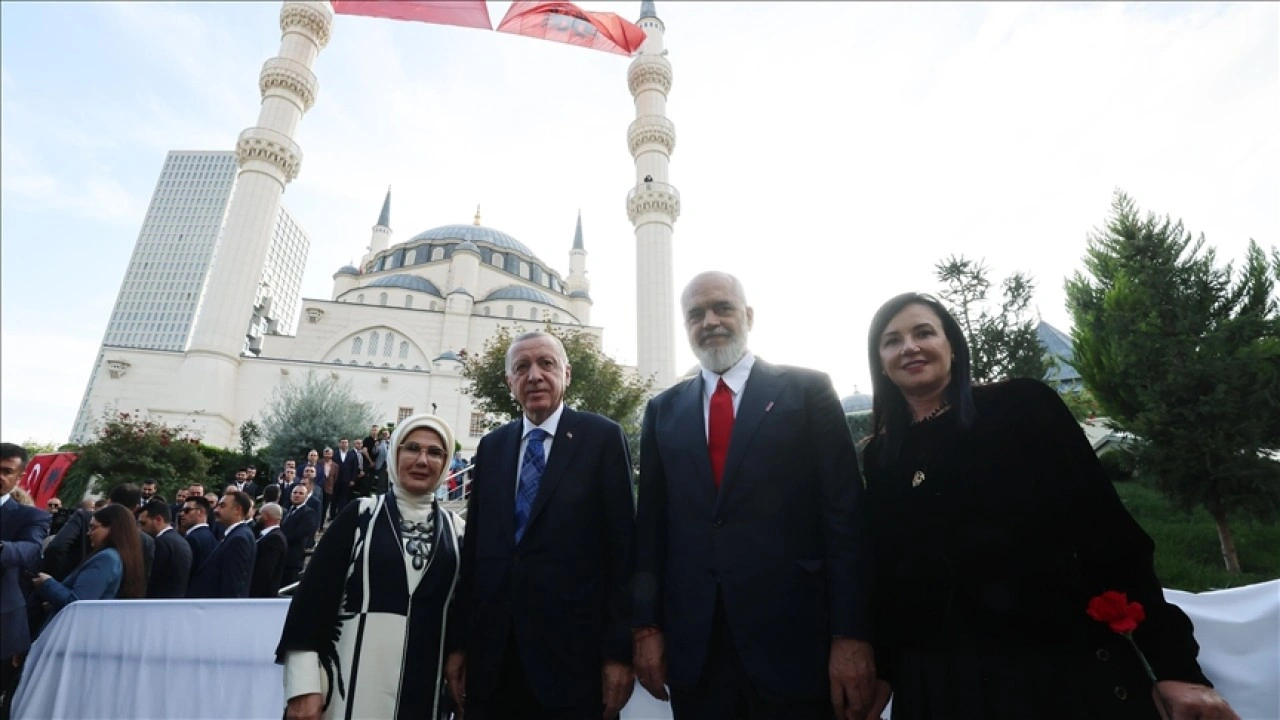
(23, 530)
(562, 591)
(348, 469)
(202, 543)
(783, 541)
(171, 569)
(299, 530)
(227, 572)
(268, 565)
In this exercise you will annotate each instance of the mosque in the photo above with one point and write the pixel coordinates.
(397, 325)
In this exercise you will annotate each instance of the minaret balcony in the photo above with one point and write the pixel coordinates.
(653, 197)
(649, 72)
(290, 76)
(651, 130)
(267, 145)
(315, 19)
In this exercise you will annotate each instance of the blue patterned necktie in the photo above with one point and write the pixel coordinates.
(531, 468)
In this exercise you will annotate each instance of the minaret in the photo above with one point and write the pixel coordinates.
(653, 204)
(382, 231)
(577, 285)
(268, 159)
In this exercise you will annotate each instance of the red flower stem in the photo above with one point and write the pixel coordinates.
(1143, 658)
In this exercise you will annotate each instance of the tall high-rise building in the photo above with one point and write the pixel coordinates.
(165, 281)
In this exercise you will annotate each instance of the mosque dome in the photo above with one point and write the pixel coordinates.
(579, 294)
(857, 402)
(478, 235)
(347, 270)
(449, 355)
(407, 282)
(519, 292)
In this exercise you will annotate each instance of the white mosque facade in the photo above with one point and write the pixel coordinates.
(397, 326)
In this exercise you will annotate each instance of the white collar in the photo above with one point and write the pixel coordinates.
(233, 527)
(267, 530)
(735, 377)
(549, 425)
(166, 529)
(4, 499)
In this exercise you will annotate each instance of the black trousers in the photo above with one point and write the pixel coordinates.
(9, 676)
(724, 692)
(514, 699)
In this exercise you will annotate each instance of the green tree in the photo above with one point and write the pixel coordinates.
(308, 415)
(1185, 355)
(1003, 342)
(597, 383)
(1082, 403)
(132, 448)
(35, 447)
(250, 435)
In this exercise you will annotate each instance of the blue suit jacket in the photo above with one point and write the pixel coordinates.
(23, 530)
(782, 542)
(563, 589)
(97, 578)
(202, 543)
(229, 570)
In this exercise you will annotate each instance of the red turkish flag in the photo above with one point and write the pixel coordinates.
(466, 13)
(44, 476)
(567, 23)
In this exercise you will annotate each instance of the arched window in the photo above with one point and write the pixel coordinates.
(408, 301)
(360, 298)
(533, 313)
(433, 304)
(373, 343)
(382, 299)
(357, 345)
(404, 349)
(388, 345)
(511, 311)
(496, 259)
(486, 311)
(555, 318)
(437, 253)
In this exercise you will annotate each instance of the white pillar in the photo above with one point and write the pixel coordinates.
(268, 159)
(653, 204)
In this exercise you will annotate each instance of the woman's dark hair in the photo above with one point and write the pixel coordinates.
(890, 415)
(123, 535)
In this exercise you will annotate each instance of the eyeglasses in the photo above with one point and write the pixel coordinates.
(434, 452)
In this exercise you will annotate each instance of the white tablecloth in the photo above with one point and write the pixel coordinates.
(170, 659)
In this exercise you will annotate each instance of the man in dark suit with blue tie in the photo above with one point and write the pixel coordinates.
(542, 628)
(171, 569)
(752, 577)
(229, 569)
(22, 532)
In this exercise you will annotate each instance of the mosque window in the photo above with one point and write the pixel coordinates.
(423, 254)
(477, 424)
(373, 343)
(360, 298)
(381, 264)
(404, 349)
(437, 253)
(486, 312)
(382, 299)
(433, 304)
(408, 301)
(496, 259)
(535, 274)
(524, 269)
(357, 345)
(388, 345)
(533, 313)
(397, 259)
(511, 311)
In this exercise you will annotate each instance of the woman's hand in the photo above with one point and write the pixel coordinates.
(305, 707)
(40, 579)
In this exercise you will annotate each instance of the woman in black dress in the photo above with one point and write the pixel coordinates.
(994, 524)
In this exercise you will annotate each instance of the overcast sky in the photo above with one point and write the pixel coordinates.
(829, 154)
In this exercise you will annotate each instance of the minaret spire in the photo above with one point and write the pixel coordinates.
(577, 233)
(476, 222)
(384, 217)
(576, 285)
(653, 204)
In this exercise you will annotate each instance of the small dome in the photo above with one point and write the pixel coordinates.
(857, 402)
(579, 294)
(449, 355)
(466, 245)
(475, 234)
(408, 282)
(519, 292)
(347, 270)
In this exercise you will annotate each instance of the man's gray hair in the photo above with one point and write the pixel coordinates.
(533, 335)
(734, 282)
(272, 510)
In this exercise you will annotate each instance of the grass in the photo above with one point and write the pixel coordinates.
(1188, 556)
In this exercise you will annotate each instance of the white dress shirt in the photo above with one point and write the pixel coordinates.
(549, 425)
(735, 377)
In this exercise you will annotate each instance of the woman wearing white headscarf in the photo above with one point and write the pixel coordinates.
(381, 579)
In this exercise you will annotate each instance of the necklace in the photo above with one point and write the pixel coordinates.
(417, 541)
(935, 413)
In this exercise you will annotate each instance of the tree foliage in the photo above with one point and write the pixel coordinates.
(135, 448)
(35, 447)
(1185, 354)
(1082, 403)
(597, 383)
(310, 415)
(1003, 341)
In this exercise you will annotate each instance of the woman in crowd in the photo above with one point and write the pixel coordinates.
(113, 570)
(994, 525)
(364, 636)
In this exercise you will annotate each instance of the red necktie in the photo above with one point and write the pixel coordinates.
(720, 429)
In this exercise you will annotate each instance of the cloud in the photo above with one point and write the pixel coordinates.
(44, 376)
(95, 197)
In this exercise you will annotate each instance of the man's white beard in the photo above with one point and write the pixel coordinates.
(720, 359)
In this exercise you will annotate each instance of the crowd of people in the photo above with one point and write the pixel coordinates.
(758, 571)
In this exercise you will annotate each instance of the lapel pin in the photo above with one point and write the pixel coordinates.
(768, 407)
(569, 434)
